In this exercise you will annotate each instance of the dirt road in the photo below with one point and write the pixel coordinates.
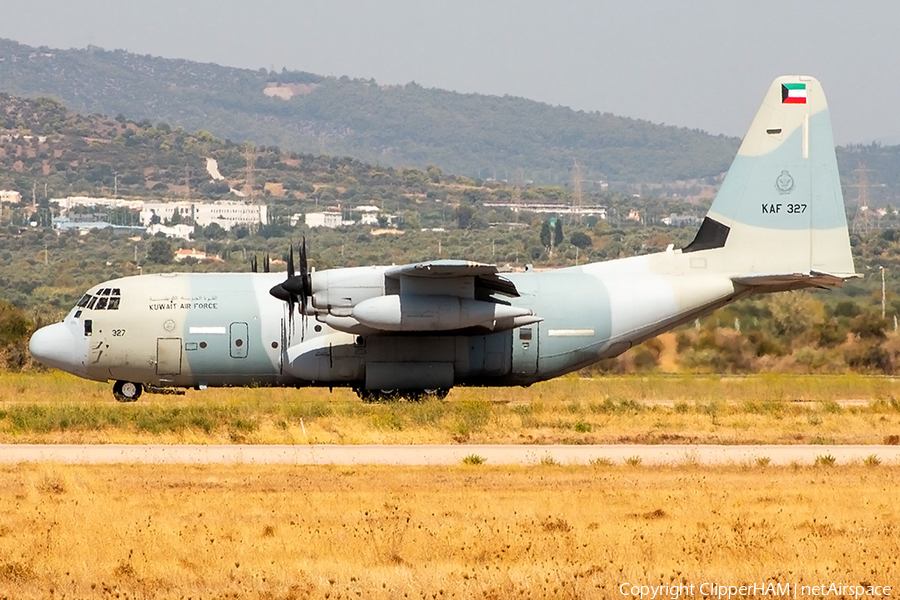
(437, 455)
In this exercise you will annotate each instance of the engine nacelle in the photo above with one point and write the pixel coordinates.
(338, 290)
(414, 312)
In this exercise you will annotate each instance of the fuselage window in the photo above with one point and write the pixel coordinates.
(115, 292)
(84, 300)
(113, 304)
(101, 303)
(92, 302)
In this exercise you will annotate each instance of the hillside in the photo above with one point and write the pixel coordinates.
(476, 135)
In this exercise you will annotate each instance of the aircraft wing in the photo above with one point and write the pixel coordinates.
(488, 275)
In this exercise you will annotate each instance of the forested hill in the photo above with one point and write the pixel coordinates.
(470, 134)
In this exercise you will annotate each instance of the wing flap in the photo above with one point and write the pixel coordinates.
(486, 276)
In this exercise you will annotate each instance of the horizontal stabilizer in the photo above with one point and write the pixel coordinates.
(790, 281)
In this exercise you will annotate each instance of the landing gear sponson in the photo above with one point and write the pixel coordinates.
(395, 395)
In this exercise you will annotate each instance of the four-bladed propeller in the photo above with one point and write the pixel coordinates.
(297, 288)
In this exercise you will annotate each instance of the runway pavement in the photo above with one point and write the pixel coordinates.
(435, 454)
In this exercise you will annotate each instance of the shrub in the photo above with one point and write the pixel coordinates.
(872, 460)
(825, 460)
(582, 427)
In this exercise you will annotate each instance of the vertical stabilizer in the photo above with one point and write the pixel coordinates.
(780, 210)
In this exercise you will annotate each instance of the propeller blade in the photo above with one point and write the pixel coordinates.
(305, 287)
(290, 262)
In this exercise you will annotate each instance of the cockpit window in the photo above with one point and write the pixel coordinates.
(105, 299)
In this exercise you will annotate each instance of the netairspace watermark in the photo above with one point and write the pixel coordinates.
(775, 590)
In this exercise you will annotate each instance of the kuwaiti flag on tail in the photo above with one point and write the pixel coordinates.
(793, 93)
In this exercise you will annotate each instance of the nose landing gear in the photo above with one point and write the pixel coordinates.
(126, 391)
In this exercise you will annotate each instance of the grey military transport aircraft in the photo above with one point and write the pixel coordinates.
(776, 224)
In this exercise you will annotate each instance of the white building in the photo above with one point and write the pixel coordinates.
(369, 219)
(184, 253)
(226, 213)
(67, 204)
(10, 197)
(179, 231)
(324, 219)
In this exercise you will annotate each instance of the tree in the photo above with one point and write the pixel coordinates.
(581, 240)
(545, 234)
(558, 233)
(464, 215)
(214, 231)
(160, 252)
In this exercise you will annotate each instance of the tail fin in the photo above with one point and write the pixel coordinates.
(780, 212)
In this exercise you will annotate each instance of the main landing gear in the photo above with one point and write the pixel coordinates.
(397, 395)
(126, 391)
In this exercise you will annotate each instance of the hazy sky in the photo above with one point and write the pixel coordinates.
(694, 63)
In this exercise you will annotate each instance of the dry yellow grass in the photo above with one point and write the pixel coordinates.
(782, 409)
(461, 532)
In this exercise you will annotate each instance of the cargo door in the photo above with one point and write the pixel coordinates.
(168, 356)
(239, 334)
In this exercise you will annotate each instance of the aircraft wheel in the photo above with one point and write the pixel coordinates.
(365, 395)
(126, 391)
(388, 395)
(427, 393)
(378, 395)
(439, 393)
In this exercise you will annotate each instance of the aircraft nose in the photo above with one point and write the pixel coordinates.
(54, 346)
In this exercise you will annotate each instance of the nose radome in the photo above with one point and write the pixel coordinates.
(54, 346)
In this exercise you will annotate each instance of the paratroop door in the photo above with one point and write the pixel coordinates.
(239, 335)
(168, 356)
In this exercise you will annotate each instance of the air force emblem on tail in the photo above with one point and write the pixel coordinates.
(784, 183)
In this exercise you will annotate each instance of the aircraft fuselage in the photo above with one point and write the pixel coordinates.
(198, 330)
